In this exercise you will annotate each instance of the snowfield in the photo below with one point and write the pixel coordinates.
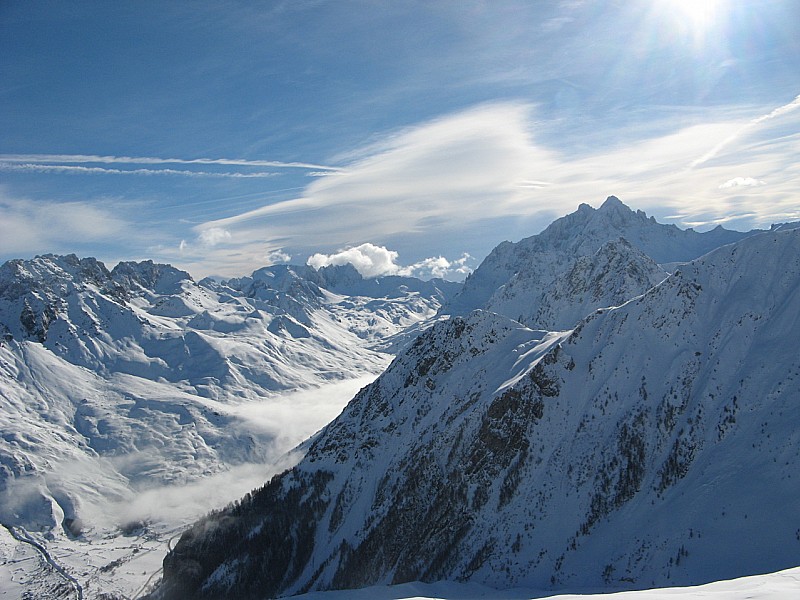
(783, 585)
(133, 401)
(121, 548)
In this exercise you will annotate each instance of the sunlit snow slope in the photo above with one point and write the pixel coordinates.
(655, 443)
(116, 381)
(589, 259)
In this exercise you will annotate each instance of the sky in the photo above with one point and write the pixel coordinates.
(403, 136)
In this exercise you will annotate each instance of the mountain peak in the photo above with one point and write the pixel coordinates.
(613, 202)
(544, 258)
(340, 275)
(618, 213)
(50, 272)
(160, 278)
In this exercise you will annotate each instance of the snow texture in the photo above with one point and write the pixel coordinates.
(588, 259)
(637, 446)
(653, 444)
(136, 399)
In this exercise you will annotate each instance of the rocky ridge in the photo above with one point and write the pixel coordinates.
(519, 279)
(637, 449)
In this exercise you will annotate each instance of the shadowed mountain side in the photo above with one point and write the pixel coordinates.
(638, 450)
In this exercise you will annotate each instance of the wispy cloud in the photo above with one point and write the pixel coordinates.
(28, 226)
(742, 130)
(207, 239)
(81, 170)
(466, 181)
(436, 182)
(150, 160)
(467, 166)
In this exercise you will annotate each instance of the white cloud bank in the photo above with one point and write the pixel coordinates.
(368, 259)
(738, 182)
(373, 261)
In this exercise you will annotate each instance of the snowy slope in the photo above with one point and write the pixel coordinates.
(122, 389)
(242, 338)
(516, 279)
(784, 585)
(655, 444)
(554, 293)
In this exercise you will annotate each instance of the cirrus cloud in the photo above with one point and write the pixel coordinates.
(33, 227)
(469, 180)
(152, 160)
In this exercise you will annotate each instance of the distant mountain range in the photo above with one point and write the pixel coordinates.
(121, 377)
(652, 442)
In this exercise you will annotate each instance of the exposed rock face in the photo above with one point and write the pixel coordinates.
(638, 449)
(557, 295)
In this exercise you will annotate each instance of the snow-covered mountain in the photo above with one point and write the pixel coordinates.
(550, 280)
(559, 290)
(278, 329)
(783, 585)
(112, 381)
(654, 443)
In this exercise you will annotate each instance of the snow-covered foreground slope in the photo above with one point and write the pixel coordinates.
(784, 585)
(655, 444)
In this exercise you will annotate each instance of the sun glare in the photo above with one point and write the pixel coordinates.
(697, 15)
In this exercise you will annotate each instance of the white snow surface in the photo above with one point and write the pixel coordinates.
(654, 444)
(783, 585)
(135, 400)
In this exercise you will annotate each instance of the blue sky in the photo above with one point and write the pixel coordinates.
(224, 136)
